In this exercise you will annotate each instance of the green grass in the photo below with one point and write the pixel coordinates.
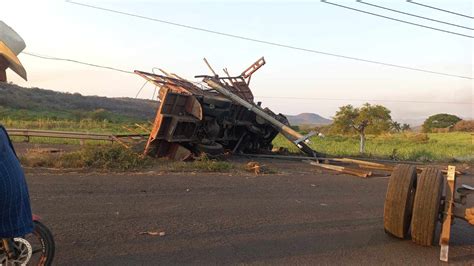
(453, 146)
(83, 125)
(402, 146)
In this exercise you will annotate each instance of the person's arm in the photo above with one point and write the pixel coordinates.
(9, 140)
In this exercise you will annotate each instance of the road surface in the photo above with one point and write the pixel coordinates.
(298, 216)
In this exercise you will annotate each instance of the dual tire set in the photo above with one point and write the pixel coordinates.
(413, 203)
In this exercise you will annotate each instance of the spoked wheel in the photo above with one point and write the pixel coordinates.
(399, 200)
(427, 205)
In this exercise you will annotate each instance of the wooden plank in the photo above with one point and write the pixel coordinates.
(359, 162)
(385, 167)
(446, 228)
(444, 171)
(342, 169)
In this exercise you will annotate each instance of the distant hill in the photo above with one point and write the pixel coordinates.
(308, 119)
(30, 103)
(16, 101)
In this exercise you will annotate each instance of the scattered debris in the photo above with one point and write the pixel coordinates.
(365, 164)
(342, 169)
(153, 233)
(280, 150)
(253, 167)
(444, 171)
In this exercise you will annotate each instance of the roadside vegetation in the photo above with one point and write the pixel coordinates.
(117, 158)
(423, 147)
(369, 131)
(104, 157)
(365, 131)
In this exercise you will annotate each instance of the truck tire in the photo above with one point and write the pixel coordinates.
(211, 149)
(399, 200)
(426, 207)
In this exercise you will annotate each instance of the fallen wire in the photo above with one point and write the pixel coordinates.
(202, 86)
(76, 61)
(361, 100)
(141, 88)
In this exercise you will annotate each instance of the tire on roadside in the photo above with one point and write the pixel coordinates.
(426, 207)
(399, 200)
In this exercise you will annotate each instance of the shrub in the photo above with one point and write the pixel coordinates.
(113, 157)
(464, 126)
(439, 121)
(417, 137)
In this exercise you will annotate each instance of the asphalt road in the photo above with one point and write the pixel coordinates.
(299, 216)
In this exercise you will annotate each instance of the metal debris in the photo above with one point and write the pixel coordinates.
(221, 116)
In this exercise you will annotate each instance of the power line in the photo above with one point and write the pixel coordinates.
(268, 42)
(141, 88)
(399, 20)
(413, 15)
(440, 9)
(268, 97)
(359, 100)
(76, 61)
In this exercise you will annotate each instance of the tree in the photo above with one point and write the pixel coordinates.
(368, 119)
(440, 121)
(405, 127)
(396, 127)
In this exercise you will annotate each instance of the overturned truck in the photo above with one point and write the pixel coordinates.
(213, 117)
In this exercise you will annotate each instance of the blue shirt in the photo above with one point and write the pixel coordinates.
(15, 211)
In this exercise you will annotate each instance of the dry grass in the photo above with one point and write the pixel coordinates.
(201, 164)
(111, 157)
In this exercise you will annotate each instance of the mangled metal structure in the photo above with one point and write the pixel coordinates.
(213, 117)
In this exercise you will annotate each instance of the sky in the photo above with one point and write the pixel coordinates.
(291, 82)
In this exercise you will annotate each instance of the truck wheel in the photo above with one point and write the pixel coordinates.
(427, 206)
(399, 200)
(211, 149)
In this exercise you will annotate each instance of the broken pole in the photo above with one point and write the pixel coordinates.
(289, 133)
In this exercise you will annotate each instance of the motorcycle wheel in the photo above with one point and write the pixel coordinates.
(43, 245)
